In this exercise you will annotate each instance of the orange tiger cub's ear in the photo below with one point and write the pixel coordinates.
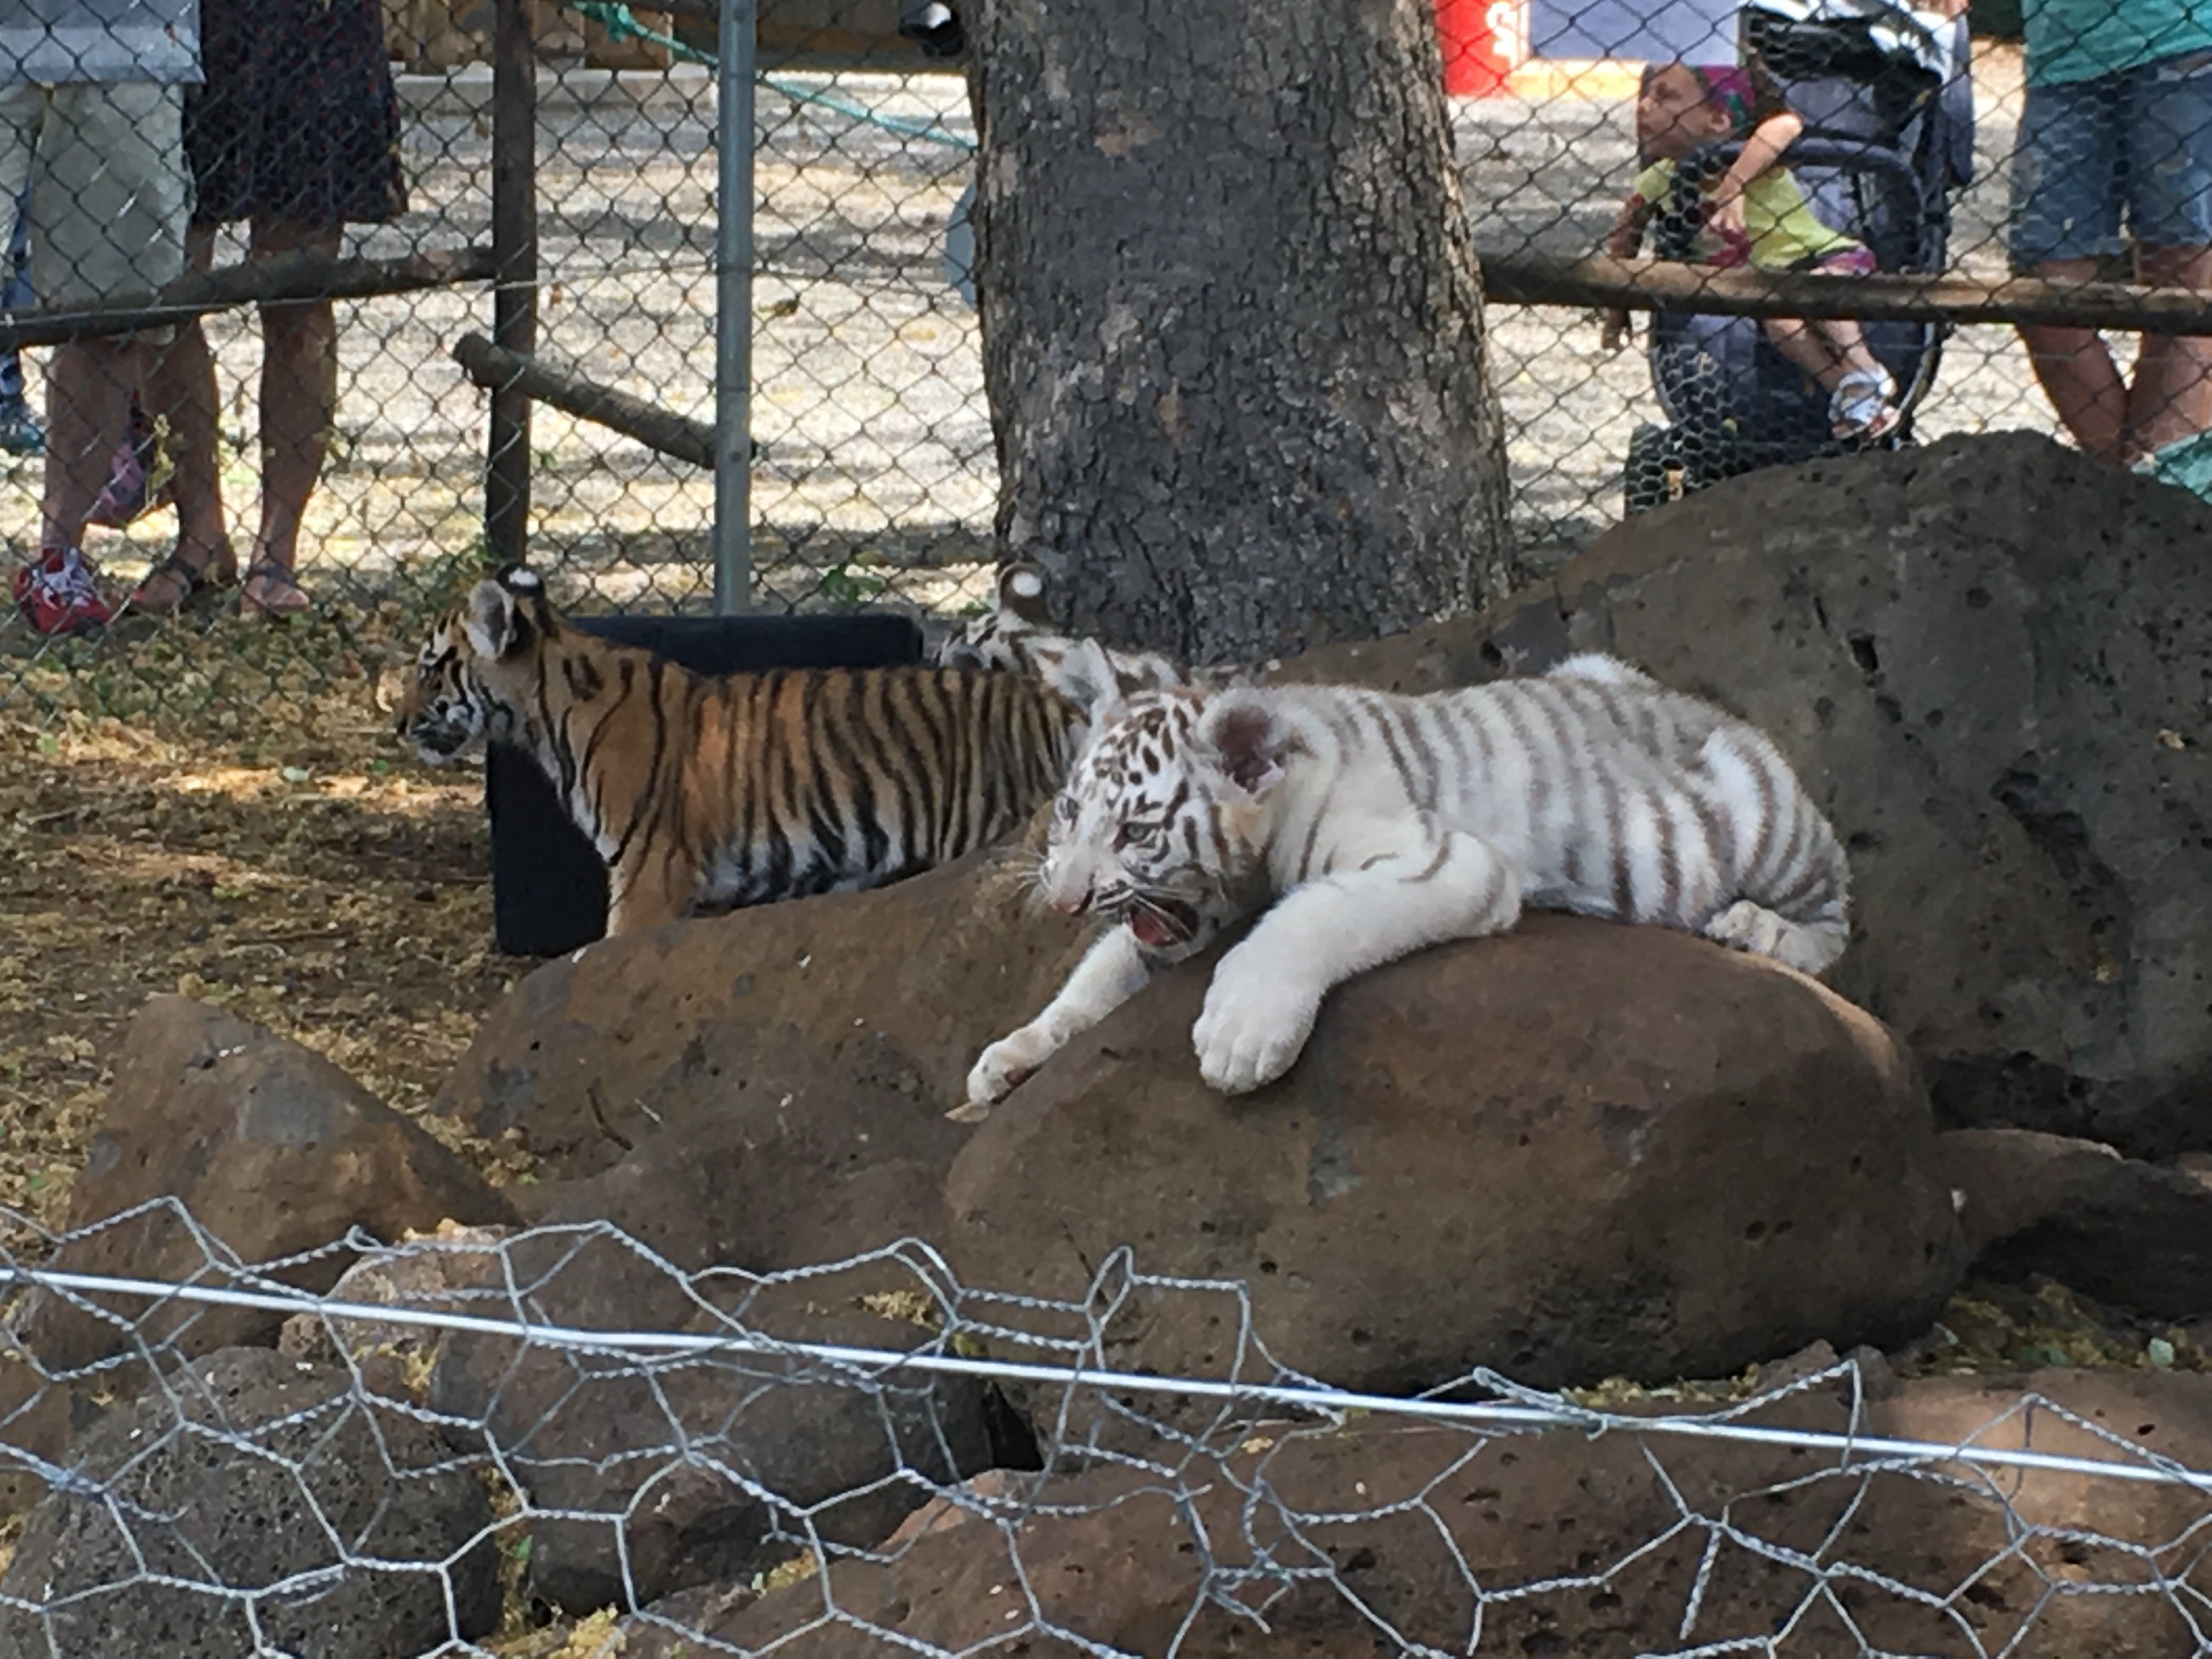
(1240, 736)
(494, 621)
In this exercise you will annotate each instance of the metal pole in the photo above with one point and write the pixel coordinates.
(735, 64)
(515, 297)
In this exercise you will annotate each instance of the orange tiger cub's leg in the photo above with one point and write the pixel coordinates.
(646, 890)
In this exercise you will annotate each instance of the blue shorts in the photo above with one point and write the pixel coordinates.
(2140, 139)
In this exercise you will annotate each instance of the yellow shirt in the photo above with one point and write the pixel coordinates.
(1784, 234)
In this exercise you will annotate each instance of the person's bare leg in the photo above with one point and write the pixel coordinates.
(89, 385)
(1848, 346)
(2172, 396)
(299, 407)
(181, 384)
(2079, 376)
(1802, 345)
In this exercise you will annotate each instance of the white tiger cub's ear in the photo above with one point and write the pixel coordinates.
(1086, 677)
(493, 628)
(1240, 736)
(1021, 595)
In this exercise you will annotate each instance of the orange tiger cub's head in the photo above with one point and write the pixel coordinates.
(476, 672)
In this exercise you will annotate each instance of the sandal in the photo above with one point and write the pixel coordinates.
(280, 597)
(176, 583)
(1861, 407)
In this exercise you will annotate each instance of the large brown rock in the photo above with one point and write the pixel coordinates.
(1986, 659)
(269, 1148)
(1580, 1149)
(1348, 1543)
(695, 1468)
(888, 994)
(243, 1147)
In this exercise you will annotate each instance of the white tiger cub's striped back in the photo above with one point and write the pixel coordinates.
(1609, 794)
(1368, 825)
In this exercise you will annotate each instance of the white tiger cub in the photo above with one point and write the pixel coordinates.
(1376, 824)
(1019, 635)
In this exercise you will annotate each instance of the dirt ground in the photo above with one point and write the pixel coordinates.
(280, 854)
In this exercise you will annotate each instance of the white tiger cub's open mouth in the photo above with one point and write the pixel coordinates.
(1159, 923)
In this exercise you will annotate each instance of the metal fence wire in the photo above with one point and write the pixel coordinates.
(547, 242)
(455, 1451)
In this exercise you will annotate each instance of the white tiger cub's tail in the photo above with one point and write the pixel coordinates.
(1789, 898)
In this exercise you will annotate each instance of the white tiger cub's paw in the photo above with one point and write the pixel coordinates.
(1753, 927)
(1007, 1064)
(1253, 1027)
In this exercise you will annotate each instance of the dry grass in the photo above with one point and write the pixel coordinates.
(280, 854)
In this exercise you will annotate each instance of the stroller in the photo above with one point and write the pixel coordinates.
(1888, 113)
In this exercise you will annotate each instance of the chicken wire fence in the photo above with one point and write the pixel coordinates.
(872, 478)
(557, 1440)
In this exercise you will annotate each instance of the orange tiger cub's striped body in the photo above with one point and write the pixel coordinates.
(700, 793)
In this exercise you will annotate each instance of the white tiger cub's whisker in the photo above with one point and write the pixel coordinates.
(1378, 824)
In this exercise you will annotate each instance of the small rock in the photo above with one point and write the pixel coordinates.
(651, 1446)
(2136, 1235)
(454, 1270)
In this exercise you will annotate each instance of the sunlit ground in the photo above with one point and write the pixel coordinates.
(277, 853)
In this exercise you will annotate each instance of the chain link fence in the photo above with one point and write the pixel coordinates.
(872, 477)
(456, 1451)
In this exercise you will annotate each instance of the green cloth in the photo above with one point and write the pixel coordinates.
(2080, 39)
(2186, 463)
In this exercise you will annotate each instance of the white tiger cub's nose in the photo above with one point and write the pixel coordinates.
(1068, 884)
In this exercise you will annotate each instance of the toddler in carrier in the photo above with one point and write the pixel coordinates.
(1753, 213)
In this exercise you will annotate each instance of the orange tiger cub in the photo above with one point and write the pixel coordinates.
(700, 793)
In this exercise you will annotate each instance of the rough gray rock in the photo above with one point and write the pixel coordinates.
(1988, 660)
(240, 1482)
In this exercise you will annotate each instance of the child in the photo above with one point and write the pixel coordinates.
(1753, 214)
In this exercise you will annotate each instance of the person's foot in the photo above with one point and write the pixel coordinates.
(271, 590)
(176, 582)
(1861, 406)
(59, 594)
(20, 431)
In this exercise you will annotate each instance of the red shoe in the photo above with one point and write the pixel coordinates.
(59, 594)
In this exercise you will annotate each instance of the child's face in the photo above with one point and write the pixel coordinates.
(1673, 115)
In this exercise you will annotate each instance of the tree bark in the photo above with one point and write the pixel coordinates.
(1232, 321)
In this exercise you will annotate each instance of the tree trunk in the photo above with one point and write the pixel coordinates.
(1232, 321)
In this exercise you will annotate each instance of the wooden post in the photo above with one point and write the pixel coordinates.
(514, 294)
(661, 430)
(259, 282)
(1518, 277)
